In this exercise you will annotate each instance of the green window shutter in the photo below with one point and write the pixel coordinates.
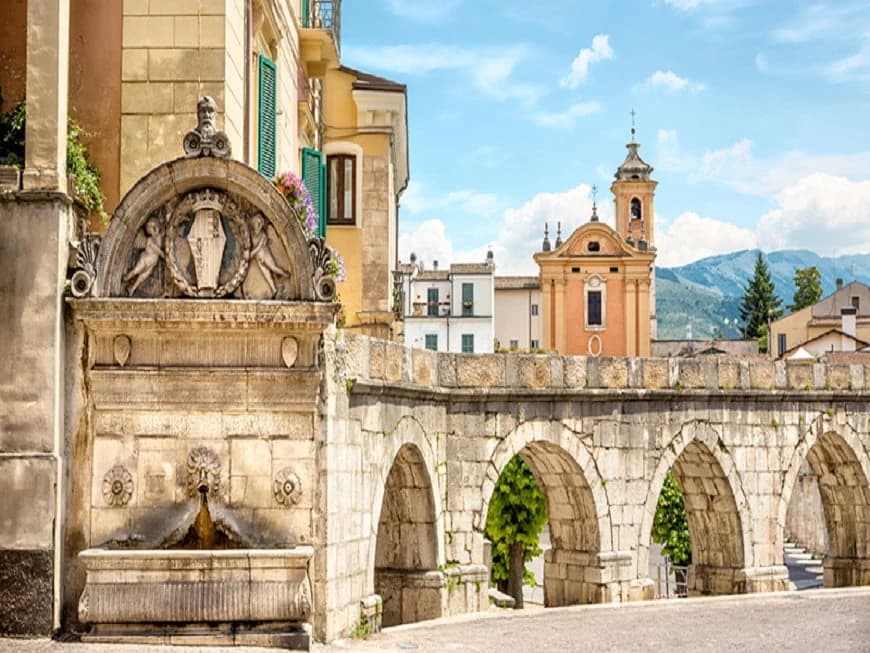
(468, 299)
(432, 341)
(314, 178)
(306, 13)
(266, 123)
(468, 343)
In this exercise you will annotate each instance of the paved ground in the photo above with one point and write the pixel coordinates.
(814, 620)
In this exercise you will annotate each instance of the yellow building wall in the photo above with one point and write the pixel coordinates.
(354, 242)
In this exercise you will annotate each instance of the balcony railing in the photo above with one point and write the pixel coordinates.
(323, 14)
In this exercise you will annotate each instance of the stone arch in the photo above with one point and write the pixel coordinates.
(577, 504)
(406, 548)
(841, 463)
(174, 180)
(716, 506)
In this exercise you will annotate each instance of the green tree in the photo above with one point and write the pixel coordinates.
(517, 513)
(671, 525)
(807, 288)
(759, 303)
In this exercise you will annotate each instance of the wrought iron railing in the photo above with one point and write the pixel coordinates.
(323, 14)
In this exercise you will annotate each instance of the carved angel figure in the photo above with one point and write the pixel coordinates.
(150, 256)
(261, 253)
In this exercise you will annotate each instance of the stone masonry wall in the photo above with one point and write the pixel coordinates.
(736, 431)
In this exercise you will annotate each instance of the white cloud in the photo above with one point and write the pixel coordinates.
(490, 69)
(688, 5)
(672, 82)
(422, 10)
(599, 51)
(568, 117)
(415, 200)
(821, 212)
(518, 235)
(691, 237)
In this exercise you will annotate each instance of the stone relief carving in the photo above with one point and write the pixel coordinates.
(82, 280)
(262, 255)
(121, 347)
(208, 248)
(287, 487)
(289, 350)
(203, 468)
(205, 139)
(117, 486)
(149, 251)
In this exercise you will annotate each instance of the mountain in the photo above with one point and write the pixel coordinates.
(706, 294)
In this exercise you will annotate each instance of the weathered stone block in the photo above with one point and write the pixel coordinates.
(480, 371)
(134, 65)
(654, 372)
(377, 360)
(533, 371)
(839, 377)
(690, 375)
(148, 31)
(26, 591)
(799, 376)
(762, 375)
(613, 372)
(146, 98)
(574, 371)
(395, 363)
(423, 364)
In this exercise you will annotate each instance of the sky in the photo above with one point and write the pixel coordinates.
(753, 113)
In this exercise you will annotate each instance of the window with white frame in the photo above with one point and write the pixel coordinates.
(594, 300)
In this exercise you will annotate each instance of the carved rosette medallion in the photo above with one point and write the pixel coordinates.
(287, 487)
(208, 244)
(203, 469)
(117, 486)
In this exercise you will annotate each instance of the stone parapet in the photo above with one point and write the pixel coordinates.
(374, 362)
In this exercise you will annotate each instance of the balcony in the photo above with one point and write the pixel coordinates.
(320, 36)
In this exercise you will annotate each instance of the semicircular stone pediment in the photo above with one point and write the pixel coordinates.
(206, 227)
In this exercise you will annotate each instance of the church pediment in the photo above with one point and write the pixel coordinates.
(594, 239)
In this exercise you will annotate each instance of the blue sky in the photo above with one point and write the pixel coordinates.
(754, 114)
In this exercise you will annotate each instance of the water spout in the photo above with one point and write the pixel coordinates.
(203, 526)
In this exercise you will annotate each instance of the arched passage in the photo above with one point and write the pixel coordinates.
(716, 511)
(406, 551)
(576, 506)
(840, 466)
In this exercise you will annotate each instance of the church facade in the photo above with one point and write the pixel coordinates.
(598, 286)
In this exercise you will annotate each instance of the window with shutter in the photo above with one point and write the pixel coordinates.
(468, 299)
(341, 186)
(432, 341)
(468, 343)
(432, 301)
(266, 120)
(313, 175)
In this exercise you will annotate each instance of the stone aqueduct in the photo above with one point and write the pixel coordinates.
(419, 440)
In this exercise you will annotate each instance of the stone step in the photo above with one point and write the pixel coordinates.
(797, 557)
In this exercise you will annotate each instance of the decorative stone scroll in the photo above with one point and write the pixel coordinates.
(82, 280)
(205, 226)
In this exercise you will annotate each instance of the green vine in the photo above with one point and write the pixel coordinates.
(87, 177)
(517, 513)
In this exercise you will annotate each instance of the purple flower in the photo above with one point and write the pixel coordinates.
(299, 199)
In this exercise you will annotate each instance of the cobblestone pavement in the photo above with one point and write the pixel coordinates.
(815, 620)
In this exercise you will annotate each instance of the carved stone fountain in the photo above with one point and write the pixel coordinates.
(200, 315)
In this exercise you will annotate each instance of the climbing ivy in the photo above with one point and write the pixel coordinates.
(671, 526)
(517, 513)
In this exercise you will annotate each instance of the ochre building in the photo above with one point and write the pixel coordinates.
(598, 287)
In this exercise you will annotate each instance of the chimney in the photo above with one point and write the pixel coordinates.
(848, 315)
(434, 264)
(839, 283)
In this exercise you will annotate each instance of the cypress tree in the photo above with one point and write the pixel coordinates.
(759, 303)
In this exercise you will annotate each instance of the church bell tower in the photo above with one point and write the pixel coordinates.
(634, 192)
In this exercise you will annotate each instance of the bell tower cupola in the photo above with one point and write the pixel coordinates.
(634, 192)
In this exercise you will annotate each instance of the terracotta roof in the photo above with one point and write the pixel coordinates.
(406, 268)
(517, 283)
(858, 341)
(471, 268)
(433, 275)
(373, 82)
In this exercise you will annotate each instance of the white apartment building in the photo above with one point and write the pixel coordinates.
(517, 313)
(449, 310)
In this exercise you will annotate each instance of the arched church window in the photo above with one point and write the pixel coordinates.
(635, 209)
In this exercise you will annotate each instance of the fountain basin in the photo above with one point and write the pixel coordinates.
(258, 597)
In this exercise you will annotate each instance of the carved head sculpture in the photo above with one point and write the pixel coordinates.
(153, 228)
(205, 111)
(257, 224)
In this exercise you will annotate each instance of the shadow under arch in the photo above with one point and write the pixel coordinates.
(841, 463)
(577, 507)
(406, 549)
(716, 508)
